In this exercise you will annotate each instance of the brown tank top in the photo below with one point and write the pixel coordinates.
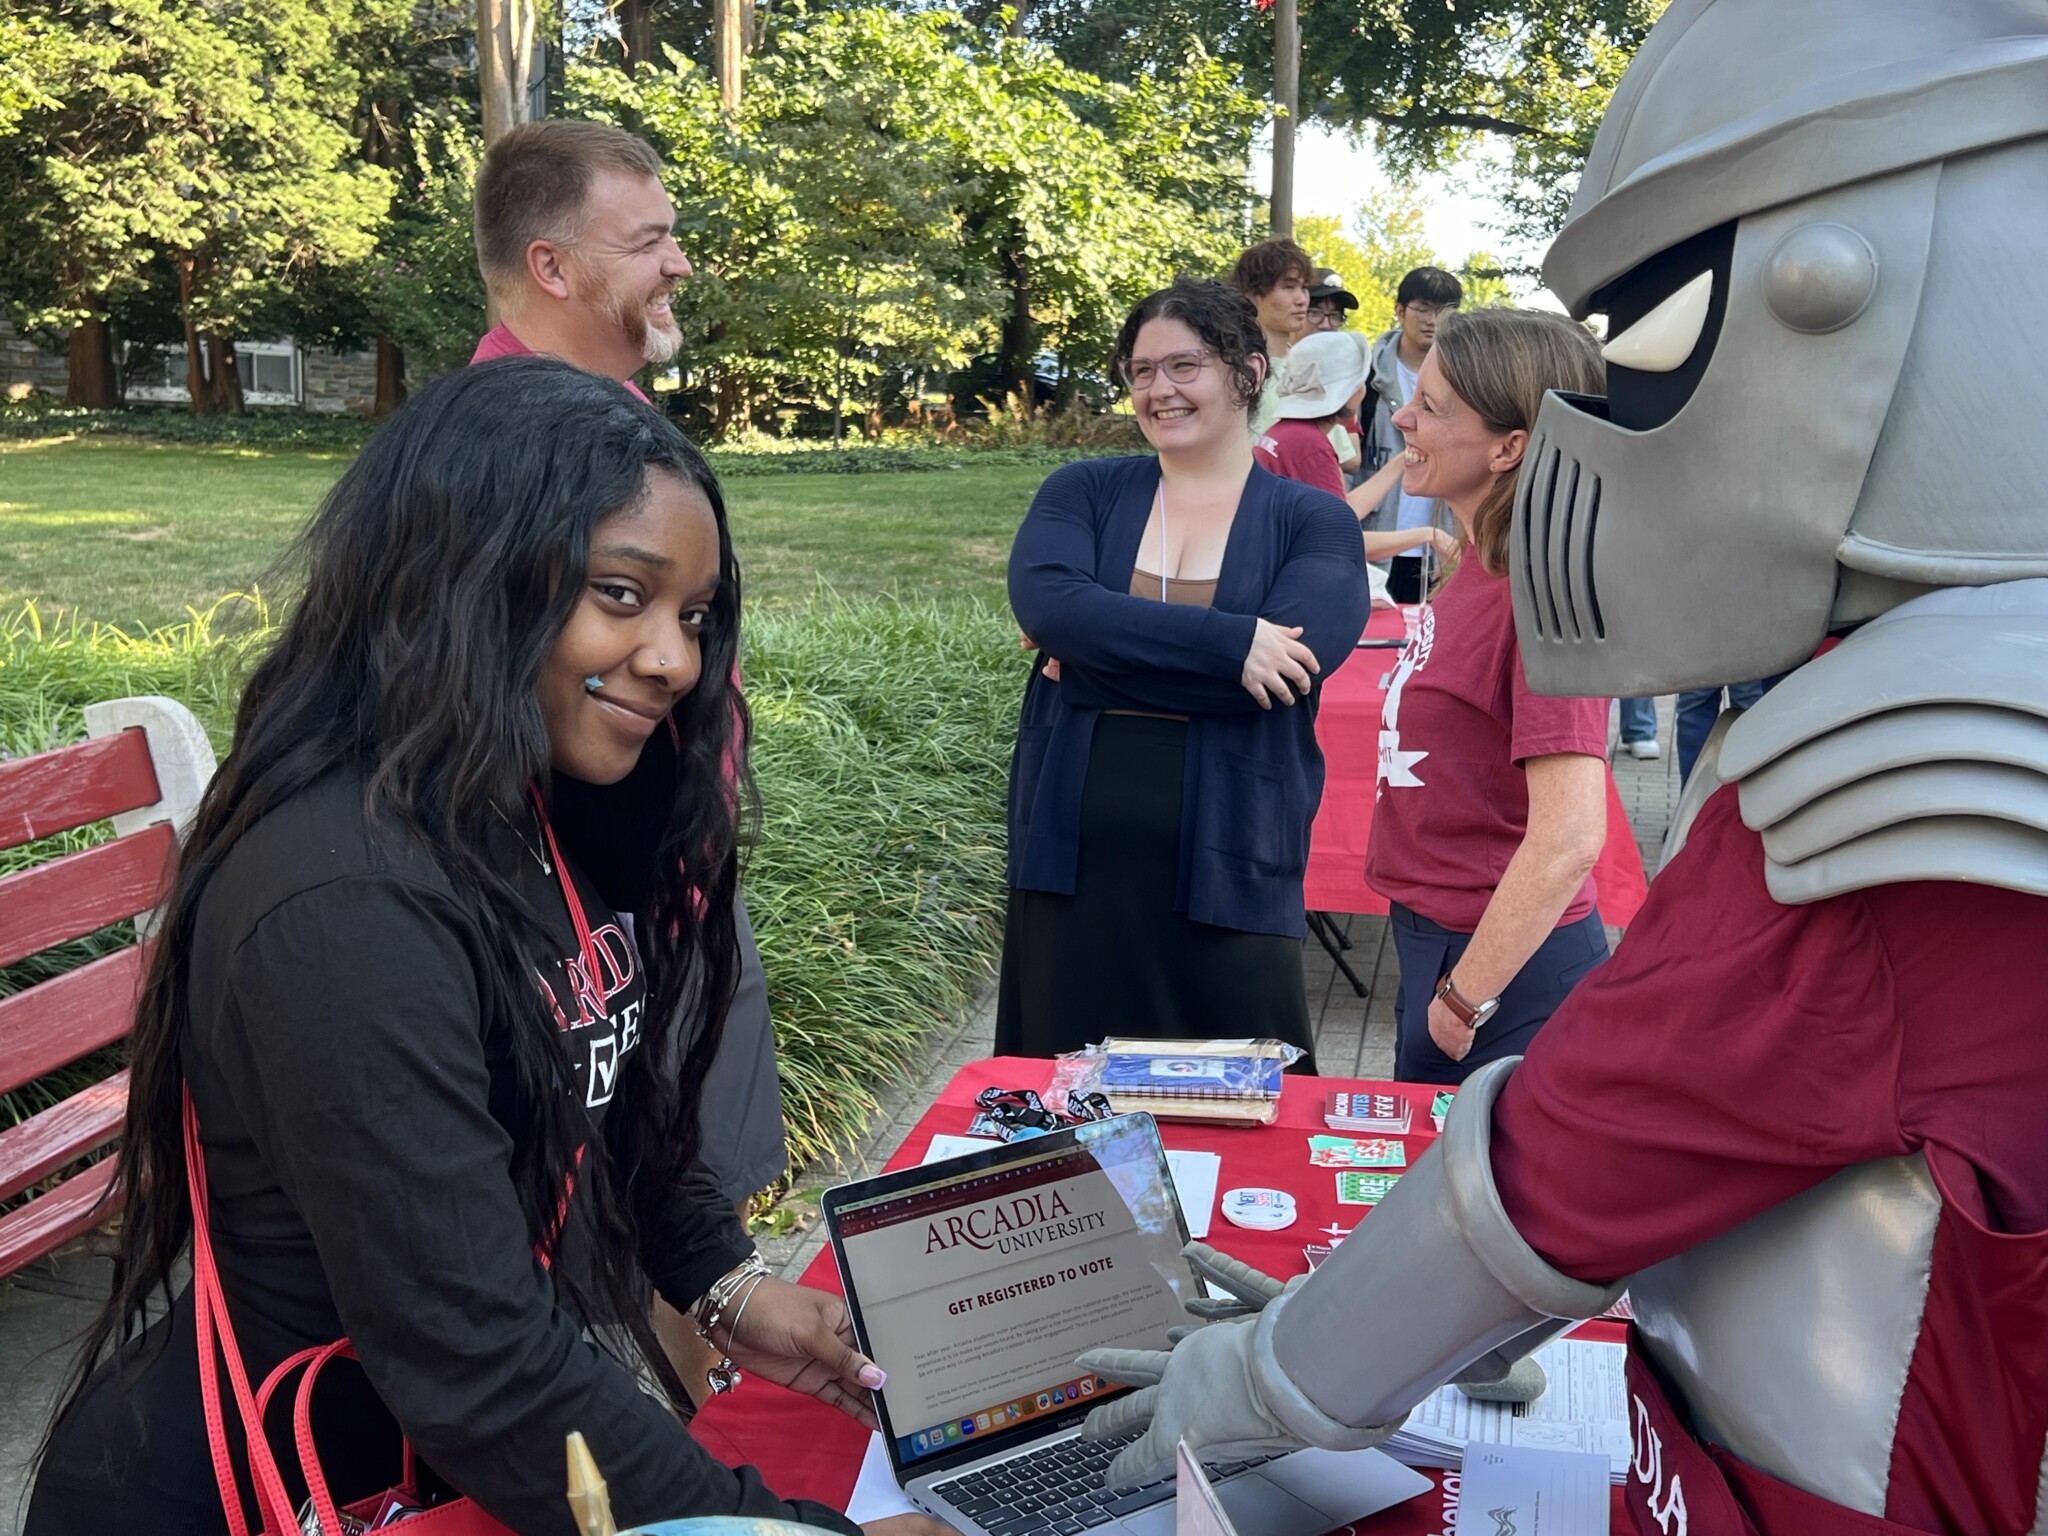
(1189, 594)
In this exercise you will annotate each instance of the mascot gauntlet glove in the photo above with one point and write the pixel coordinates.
(1226, 1394)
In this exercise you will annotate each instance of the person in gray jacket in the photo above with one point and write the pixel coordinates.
(1426, 294)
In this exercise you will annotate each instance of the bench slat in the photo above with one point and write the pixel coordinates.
(75, 786)
(49, 1221)
(59, 1020)
(84, 892)
(62, 1134)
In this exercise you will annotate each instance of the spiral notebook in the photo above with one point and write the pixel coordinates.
(1235, 1080)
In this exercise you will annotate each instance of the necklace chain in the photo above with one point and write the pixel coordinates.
(1162, 537)
(538, 857)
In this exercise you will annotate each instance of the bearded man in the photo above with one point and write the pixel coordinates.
(575, 236)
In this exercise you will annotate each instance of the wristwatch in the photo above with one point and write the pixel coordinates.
(1471, 1015)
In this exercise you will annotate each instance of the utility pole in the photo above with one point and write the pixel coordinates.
(1286, 110)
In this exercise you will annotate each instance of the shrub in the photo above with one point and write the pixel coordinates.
(882, 744)
(36, 417)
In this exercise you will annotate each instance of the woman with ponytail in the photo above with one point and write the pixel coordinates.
(1492, 800)
(447, 951)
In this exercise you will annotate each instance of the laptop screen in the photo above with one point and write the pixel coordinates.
(975, 1282)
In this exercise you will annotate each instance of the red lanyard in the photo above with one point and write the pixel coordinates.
(585, 945)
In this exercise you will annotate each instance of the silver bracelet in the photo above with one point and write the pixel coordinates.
(724, 1376)
(712, 1304)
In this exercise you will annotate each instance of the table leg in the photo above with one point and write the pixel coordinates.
(1331, 937)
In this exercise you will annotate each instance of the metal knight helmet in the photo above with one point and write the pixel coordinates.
(1818, 230)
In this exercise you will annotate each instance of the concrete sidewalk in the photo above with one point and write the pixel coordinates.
(44, 1309)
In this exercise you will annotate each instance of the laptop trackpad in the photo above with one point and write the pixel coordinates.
(1254, 1505)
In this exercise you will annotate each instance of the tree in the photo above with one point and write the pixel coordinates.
(877, 217)
(1286, 109)
(86, 177)
(1424, 78)
(900, 191)
(1385, 243)
(1323, 237)
(414, 118)
(1093, 193)
(506, 34)
(213, 134)
(417, 299)
(274, 188)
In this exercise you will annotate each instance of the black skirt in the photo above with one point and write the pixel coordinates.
(1115, 958)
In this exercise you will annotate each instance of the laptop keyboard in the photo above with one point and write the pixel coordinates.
(1058, 1488)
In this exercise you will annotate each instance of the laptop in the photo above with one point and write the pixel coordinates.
(974, 1282)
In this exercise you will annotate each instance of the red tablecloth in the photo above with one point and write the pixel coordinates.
(806, 1450)
(1348, 728)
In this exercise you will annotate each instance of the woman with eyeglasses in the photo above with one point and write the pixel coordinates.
(1166, 771)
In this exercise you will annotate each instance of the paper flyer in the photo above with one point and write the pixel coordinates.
(1512, 1488)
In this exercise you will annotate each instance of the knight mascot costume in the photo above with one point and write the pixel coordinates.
(1801, 1116)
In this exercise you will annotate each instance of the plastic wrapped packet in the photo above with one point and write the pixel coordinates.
(1227, 1081)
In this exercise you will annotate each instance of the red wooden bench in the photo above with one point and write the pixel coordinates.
(145, 766)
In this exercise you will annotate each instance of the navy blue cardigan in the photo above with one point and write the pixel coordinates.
(1254, 776)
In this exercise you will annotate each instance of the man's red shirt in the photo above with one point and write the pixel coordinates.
(500, 342)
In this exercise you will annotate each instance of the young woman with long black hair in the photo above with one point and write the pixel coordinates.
(450, 927)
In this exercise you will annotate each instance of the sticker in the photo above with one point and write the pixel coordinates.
(1348, 1152)
(1356, 1188)
(1265, 1210)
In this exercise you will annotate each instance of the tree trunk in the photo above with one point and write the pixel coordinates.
(1018, 13)
(224, 380)
(1286, 110)
(727, 51)
(1019, 342)
(92, 380)
(505, 32)
(839, 398)
(390, 377)
(731, 406)
(636, 33)
(195, 352)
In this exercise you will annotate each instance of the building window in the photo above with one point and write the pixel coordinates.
(156, 375)
(269, 372)
(272, 373)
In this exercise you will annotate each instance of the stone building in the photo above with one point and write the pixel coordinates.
(276, 374)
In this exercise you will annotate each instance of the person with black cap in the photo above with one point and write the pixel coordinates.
(1328, 301)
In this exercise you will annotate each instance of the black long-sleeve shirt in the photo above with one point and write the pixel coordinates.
(359, 1113)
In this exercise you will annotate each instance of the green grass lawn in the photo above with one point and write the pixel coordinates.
(876, 885)
(128, 532)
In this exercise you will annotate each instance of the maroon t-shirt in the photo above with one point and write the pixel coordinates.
(1301, 450)
(499, 341)
(1735, 1052)
(1459, 723)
